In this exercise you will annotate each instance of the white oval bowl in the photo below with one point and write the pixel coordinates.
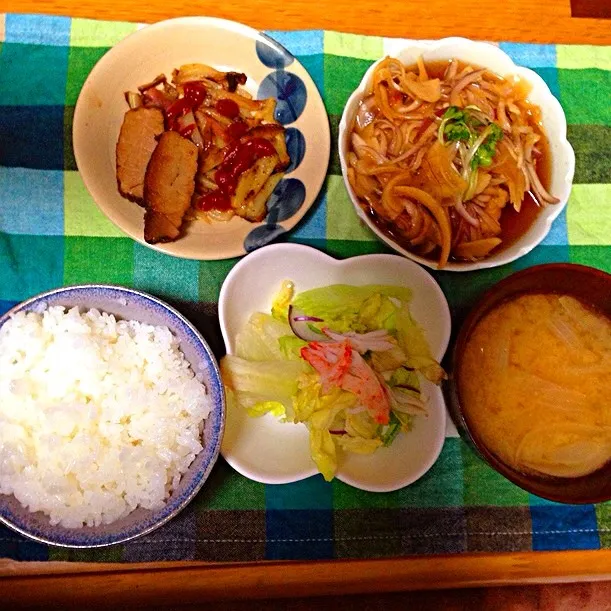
(160, 48)
(554, 123)
(273, 452)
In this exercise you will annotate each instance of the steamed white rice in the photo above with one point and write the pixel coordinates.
(97, 416)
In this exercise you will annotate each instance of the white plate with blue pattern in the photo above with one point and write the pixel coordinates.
(228, 46)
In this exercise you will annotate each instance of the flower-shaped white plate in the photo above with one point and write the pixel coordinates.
(553, 120)
(272, 72)
(272, 452)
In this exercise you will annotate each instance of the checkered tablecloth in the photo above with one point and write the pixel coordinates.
(52, 234)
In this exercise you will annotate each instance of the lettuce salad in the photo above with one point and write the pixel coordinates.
(344, 360)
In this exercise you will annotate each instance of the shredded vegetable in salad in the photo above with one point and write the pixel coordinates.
(344, 360)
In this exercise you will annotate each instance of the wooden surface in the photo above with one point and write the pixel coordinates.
(61, 584)
(549, 597)
(93, 584)
(591, 8)
(517, 20)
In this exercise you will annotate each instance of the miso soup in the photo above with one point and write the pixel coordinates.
(534, 382)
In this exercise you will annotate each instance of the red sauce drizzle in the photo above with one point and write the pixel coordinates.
(236, 130)
(175, 110)
(239, 157)
(227, 108)
(194, 95)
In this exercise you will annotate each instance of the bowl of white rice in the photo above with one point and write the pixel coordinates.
(111, 415)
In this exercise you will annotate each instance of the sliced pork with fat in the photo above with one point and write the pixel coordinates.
(137, 140)
(169, 184)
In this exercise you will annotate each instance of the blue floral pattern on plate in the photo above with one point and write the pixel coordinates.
(287, 198)
(290, 93)
(295, 146)
(272, 54)
(291, 99)
(262, 235)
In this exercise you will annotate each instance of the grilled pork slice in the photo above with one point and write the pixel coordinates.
(159, 228)
(137, 141)
(169, 184)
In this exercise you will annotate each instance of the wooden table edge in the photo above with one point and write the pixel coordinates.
(531, 21)
(63, 583)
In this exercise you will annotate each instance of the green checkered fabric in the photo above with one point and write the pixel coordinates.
(53, 234)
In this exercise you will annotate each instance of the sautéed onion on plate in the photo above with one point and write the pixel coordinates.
(439, 151)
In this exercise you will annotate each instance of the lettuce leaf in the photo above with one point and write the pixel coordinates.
(352, 308)
(290, 346)
(258, 340)
(357, 445)
(322, 413)
(237, 400)
(256, 382)
(405, 378)
(309, 399)
(282, 300)
(322, 419)
(274, 408)
(377, 312)
(406, 420)
(411, 339)
(322, 449)
(361, 424)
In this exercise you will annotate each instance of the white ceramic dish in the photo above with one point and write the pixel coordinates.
(227, 46)
(272, 452)
(554, 123)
